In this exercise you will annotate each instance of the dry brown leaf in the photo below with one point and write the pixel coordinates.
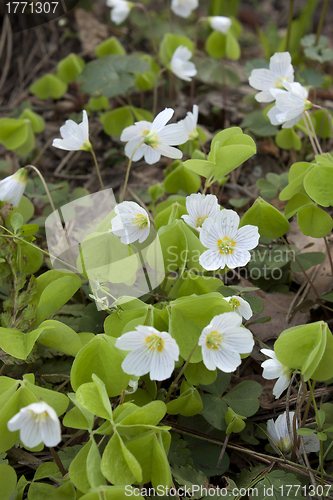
(91, 32)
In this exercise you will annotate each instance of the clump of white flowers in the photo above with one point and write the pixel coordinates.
(200, 207)
(280, 438)
(184, 8)
(120, 10)
(131, 222)
(190, 123)
(220, 23)
(13, 186)
(228, 244)
(240, 306)
(289, 105)
(151, 352)
(37, 423)
(268, 80)
(274, 369)
(180, 64)
(222, 342)
(153, 139)
(74, 136)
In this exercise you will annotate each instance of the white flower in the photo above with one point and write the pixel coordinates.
(74, 136)
(279, 435)
(132, 387)
(184, 8)
(274, 369)
(240, 306)
(37, 423)
(151, 351)
(199, 208)
(190, 123)
(152, 140)
(228, 245)
(131, 222)
(13, 186)
(220, 23)
(119, 10)
(289, 105)
(180, 64)
(222, 342)
(280, 70)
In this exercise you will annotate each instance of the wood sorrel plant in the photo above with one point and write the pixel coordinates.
(136, 316)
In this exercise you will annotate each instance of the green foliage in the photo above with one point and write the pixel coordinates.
(110, 46)
(181, 178)
(146, 81)
(8, 481)
(219, 45)
(111, 75)
(308, 348)
(270, 222)
(288, 139)
(116, 120)
(70, 68)
(37, 122)
(48, 87)
(13, 132)
(187, 404)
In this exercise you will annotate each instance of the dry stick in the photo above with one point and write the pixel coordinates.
(290, 20)
(63, 162)
(314, 133)
(329, 254)
(57, 461)
(224, 447)
(310, 135)
(6, 67)
(321, 22)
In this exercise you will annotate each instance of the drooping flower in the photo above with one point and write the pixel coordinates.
(220, 23)
(280, 438)
(263, 79)
(181, 65)
(132, 387)
(190, 123)
(37, 423)
(289, 105)
(152, 352)
(240, 306)
(199, 208)
(131, 222)
(152, 140)
(228, 245)
(74, 136)
(119, 10)
(184, 8)
(13, 186)
(274, 369)
(222, 342)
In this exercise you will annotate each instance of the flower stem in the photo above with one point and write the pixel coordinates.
(97, 169)
(329, 254)
(314, 133)
(158, 76)
(152, 37)
(195, 41)
(175, 382)
(44, 184)
(57, 461)
(310, 134)
(290, 20)
(321, 455)
(321, 21)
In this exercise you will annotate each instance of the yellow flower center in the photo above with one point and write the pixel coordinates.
(234, 303)
(141, 221)
(213, 340)
(193, 135)
(150, 138)
(226, 245)
(155, 342)
(200, 220)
